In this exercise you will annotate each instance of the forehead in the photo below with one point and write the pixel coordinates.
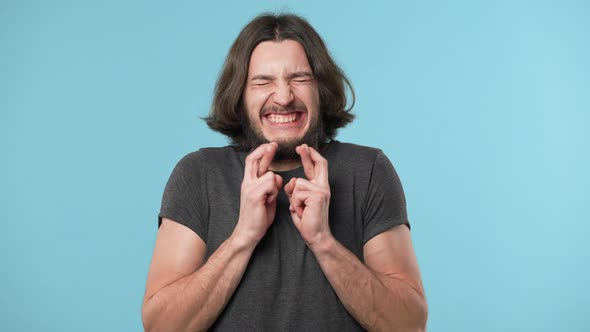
(278, 56)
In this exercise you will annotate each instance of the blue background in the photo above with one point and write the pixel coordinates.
(483, 107)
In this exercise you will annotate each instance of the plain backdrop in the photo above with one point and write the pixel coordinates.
(482, 106)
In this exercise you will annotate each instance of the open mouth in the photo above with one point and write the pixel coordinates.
(285, 119)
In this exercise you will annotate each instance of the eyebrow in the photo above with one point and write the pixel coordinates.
(298, 74)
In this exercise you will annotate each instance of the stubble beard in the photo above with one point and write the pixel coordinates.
(313, 137)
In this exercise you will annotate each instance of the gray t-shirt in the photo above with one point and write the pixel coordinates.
(283, 287)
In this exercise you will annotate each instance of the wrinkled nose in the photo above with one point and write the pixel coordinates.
(283, 95)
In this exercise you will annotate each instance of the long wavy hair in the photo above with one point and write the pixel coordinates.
(228, 115)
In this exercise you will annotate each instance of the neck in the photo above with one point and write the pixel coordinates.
(284, 165)
(287, 165)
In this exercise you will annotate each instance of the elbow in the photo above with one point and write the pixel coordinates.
(416, 317)
(413, 319)
(418, 311)
(148, 315)
(419, 317)
(422, 318)
(145, 318)
(156, 316)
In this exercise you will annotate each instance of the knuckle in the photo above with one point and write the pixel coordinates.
(298, 187)
(253, 156)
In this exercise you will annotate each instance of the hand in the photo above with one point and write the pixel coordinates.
(258, 198)
(310, 199)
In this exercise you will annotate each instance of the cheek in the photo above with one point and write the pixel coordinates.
(250, 105)
(256, 99)
(308, 95)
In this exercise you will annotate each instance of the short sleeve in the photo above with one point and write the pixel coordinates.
(184, 198)
(386, 203)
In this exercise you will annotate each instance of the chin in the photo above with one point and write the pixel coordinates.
(286, 140)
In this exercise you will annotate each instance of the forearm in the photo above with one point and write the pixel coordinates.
(378, 302)
(194, 302)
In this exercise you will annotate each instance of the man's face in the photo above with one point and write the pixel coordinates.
(281, 98)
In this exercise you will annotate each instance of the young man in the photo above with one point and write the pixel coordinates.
(286, 229)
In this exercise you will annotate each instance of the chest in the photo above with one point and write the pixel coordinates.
(346, 220)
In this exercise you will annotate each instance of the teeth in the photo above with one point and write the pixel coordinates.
(283, 118)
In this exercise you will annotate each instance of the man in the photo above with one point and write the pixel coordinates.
(286, 229)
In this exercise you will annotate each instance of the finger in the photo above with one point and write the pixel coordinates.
(272, 196)
(278, 181)
(251, 162)
(303, 184)
(267, 187)
(299, 211)
(290, 186)
(289, 189)
(298, 202)
(269, 153)
(321, 167)
(308, 166)
(301, 189)
(296, 218)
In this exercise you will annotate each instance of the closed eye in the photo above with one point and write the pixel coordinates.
(260, 82)
(302, 77)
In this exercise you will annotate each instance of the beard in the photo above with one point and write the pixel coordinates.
(313, 137)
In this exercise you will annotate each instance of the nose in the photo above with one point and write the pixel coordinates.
(283, 95)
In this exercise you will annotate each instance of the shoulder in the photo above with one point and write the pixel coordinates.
(209, 155)
(352, 154)
(362, 163)
(208, 159)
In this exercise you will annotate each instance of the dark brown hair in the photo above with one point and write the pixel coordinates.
(227, 114)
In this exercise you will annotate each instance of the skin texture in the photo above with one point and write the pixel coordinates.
(184, 292)
(383, 294)
(280, 80)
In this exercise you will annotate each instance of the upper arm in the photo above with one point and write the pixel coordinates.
(391, 253)
(178, 252)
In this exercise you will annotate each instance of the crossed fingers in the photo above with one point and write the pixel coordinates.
(309, 197)
(315, 187)
(256, 167)
(258, 162)
(314, 165)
